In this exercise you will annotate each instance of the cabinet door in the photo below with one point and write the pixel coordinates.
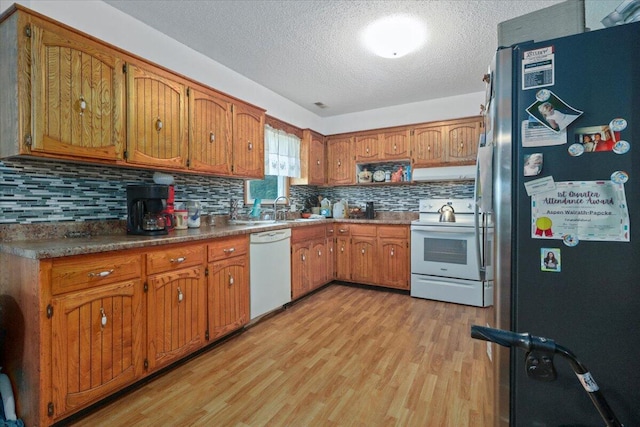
(300, 269)
(96, 343)
(343, 258)
(175, 315)
(156, 128)
(462, 141)
(318, 265)
(367, 147)
(394, 263)
(363, 259)
(317, 160)
(227, 296)
(209, 133)
(248, 142)
(331, 259)
(78, 97)
(428, 148)
(395, 145)
(340, 164)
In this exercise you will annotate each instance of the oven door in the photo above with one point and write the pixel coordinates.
(445, 251)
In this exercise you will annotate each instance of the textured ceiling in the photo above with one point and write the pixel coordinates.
(310, 51)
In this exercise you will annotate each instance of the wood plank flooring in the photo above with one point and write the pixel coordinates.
(345, 356)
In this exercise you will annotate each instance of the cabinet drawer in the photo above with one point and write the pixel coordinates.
(390, 231)
(175, 257)
(308, 233)
(363, 230)
(228, 247)
(342, 229)
(74, 273)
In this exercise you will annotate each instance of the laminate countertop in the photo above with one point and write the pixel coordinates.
(48, 241)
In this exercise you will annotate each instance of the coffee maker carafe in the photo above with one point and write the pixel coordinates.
(145, 205)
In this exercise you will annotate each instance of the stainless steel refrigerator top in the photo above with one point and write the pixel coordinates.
(564, 121)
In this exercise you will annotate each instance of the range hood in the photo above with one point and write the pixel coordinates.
(448, 173)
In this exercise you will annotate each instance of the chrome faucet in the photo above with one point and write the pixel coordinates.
(284, 209)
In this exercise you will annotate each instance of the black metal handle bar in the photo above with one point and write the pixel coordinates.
(530, 342)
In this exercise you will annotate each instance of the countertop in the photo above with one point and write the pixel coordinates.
(44, 241)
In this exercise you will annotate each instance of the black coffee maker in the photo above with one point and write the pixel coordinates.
(145, 205)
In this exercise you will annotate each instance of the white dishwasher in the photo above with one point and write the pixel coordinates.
(269, 271)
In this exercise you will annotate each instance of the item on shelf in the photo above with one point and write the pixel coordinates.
(397, 175)
(387, 176)
(379, 176)
(365, 176)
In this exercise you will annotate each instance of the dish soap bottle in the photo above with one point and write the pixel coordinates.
(255, 211)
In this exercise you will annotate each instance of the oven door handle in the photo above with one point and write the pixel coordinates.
(443, 229)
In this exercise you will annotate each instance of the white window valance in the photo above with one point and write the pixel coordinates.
(282, 153)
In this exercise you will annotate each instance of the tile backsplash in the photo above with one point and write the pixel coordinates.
(35, 190)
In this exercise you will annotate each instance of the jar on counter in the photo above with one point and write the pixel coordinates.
(193, 214)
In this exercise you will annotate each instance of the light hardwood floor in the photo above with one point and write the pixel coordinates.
(345, 356)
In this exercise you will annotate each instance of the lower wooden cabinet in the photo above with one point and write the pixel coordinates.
(175, 315)
(309, 259)
(96, 343)
(393, 257)
(363, 254)
(227, 286)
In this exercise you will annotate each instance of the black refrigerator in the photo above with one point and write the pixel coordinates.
(563, 121)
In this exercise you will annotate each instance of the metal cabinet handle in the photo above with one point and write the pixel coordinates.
(342, 230)
(319, 253)
(339, 163)
(212, 137)
(331, 250)
(83, 105)
(367, 150)
(250, 145)
(363, 251)
(159, 124)
(318, 162)
(303, 257)
(228, 251)
(342, 249)
(231, 279)
(178, 260)
(180, 295)
(392, 252)
(103, 318)
(395, 147)
(101, 274)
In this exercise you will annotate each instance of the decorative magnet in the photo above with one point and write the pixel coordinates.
(543, 226)
(618, 124)
(532, 164)
(576, 150)
(619, 177)
(570, 240)
(621, 147)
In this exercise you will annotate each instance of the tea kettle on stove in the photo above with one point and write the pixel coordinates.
(447, 214)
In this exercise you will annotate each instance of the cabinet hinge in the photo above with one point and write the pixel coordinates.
(50, 409)
(188, 163)
(206, 272)
(146, 287)
(124, 68)
(206, 335)
(49, 311)
(188, 91)
(146, 364)
(28, 141)
(27, 30)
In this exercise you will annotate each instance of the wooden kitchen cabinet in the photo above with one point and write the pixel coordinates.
(363, 253)
(210, 132)
(308, 260)
(312, 160)
(176, 303)
(96, 313)
(393, 256)
(248, 141)
(367, 147)
(343, 251)
(448, 143)
(157, 133)
(340, 161)
(227, 286)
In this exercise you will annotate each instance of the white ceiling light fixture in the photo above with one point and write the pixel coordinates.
(394, 36)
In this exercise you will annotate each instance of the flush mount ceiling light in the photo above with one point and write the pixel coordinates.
(394, 36)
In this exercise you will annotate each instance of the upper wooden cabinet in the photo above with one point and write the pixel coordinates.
(77, 88)
(340, 163)
(156, 120)
(210, 131)
(248, 141)
(392, 144)
(446, 143)
(313, 163)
